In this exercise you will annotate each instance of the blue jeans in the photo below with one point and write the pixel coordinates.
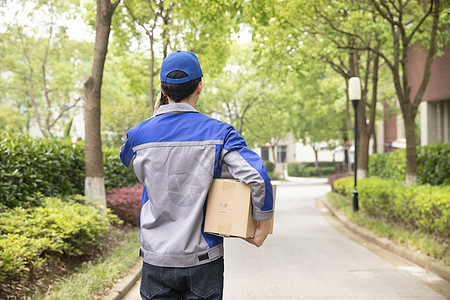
(199, 282)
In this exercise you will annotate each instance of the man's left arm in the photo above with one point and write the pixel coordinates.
(246, 166)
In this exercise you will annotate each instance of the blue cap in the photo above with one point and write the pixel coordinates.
(181, 61)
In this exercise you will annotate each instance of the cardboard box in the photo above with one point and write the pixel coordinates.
(229, 209)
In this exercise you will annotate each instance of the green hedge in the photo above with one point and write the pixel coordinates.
(52, 167)
(116, 174)
(300, 169)
(423, 207)
(433, 164)
(29, 236)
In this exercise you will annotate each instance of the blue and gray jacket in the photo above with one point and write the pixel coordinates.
(175, 156)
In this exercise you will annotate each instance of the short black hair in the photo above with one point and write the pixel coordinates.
(179, 91)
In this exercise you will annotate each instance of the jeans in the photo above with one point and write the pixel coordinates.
(199, 282)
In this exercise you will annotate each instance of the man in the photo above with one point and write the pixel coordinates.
(175, 155)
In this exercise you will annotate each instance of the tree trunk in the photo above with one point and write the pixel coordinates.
(94, 181)
(274, 154)
(316, 157)
(152, 74)
(363, 151)
(411, 151)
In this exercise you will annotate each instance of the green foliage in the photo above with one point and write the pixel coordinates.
(28, 236)
(11, 120)
(433, 164)
(50, 167)
(116, 174)
(42, 68)
(299, 169)
(390, 165)
(27, 166)
(420, 241)
(245, 99)
(425, 208)
(124, 96)
(270, 166)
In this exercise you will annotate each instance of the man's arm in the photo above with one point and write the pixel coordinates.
(246, 166)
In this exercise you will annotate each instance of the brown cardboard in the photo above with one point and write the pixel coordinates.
(229, 209)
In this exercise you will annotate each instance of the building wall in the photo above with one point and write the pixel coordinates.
(438, 87)
(435, 122)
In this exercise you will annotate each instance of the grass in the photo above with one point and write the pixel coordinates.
(95, 277)
(416, 240)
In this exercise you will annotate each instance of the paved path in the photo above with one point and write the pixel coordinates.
(307, 258)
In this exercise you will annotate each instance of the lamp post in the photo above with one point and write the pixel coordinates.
(354, 94)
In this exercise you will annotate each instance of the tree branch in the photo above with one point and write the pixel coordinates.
(335, 28)
(409, 38)
(376, 51)
(44, 80)
(61, 113)
(430, 57)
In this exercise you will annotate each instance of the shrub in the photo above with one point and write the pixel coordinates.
(116, 174)
(126, 203)
(28, 236)
(334, 177)
(54, 168)
(433, 164)
(51, 167)
(274, 176)
(295, 169)
(425, 208)
(270, 166)
(300, 169)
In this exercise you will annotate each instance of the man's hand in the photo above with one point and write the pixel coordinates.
(261, 232)
(157, 104)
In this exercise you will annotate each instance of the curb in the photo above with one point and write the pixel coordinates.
(124, 285)
(419, 259)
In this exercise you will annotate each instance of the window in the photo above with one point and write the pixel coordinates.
(265, 153)
(281, 154)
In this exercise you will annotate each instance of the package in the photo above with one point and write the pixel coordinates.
(229, 209)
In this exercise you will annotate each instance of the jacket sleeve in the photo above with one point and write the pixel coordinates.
(127, 154)
(246, 166)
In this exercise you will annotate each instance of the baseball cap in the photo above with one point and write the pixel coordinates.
(181, 61)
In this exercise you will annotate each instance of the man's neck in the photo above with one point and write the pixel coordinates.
(192, 101)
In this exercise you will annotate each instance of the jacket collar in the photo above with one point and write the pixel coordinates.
(175, 108)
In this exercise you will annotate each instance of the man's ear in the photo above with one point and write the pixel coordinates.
(162, 91)
(200, 87)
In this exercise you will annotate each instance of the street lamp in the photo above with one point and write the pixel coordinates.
(354, 94)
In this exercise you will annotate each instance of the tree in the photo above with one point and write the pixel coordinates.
(94, 182)
(316, 31)
(41, 67)
(247, 100)
(410, 22)
(403, 24)
(318, 112)
(156, 27)
(124, 99)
